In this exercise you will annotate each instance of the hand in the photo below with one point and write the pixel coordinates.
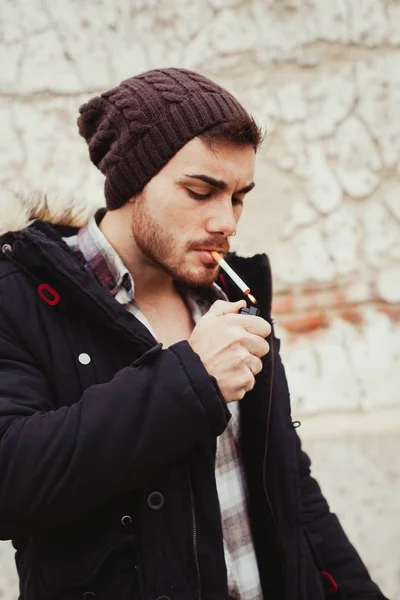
(231, 346)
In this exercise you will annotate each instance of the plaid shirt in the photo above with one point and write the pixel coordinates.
(109, 270)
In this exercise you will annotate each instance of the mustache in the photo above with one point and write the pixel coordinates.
(209, 244)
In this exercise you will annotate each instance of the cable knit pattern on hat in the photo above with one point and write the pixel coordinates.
(135, 128)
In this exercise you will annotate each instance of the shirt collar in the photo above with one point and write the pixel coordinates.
(103, 260)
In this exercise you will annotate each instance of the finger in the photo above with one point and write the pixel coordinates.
(251, 382)
(252, 324)
(256, 345)
(221, 307)
(243, 381)
(245, 386)
(256, 366)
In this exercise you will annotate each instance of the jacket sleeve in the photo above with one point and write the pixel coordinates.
(57, 465)
(330, 543)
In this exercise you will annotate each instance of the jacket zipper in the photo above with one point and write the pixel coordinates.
(267, 431)
(194, 538)
(271, 383)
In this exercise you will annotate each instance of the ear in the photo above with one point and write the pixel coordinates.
(135, 198)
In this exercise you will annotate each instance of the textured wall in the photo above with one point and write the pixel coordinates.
(324, 77)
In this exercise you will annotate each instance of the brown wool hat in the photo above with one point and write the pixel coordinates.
(134, 129)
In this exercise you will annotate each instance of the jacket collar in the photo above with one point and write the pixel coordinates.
(41, 252)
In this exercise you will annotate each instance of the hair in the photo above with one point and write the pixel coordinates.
(240, 131)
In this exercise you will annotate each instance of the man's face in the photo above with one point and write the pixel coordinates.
(191, 207)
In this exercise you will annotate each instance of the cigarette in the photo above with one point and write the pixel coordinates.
(234, 276)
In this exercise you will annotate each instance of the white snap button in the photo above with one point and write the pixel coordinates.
(84, 358)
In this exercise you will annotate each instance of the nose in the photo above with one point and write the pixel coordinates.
(223, 220)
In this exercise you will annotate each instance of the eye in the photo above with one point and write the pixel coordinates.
(237, 202)
(197, 196)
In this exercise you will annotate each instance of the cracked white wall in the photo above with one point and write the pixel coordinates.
(324, 78)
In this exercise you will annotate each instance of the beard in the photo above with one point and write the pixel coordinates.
(159, 246)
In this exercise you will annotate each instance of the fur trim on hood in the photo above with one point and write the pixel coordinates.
(17, 211)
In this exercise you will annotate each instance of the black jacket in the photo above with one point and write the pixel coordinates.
(107, 468)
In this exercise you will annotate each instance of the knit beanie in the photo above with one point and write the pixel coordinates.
(134, 129)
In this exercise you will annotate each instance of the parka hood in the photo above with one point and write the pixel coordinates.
(18, 211)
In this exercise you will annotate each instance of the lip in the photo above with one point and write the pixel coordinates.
(219, 250)
(207, 257)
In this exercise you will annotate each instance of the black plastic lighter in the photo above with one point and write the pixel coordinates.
(250, 310)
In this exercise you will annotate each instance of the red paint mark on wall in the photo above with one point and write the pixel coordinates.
(306, 323)
(352, 315)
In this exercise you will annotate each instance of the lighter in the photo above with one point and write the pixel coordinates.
(250, 310)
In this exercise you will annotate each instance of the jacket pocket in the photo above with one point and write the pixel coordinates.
(65, 566)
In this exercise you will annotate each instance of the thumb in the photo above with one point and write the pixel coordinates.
(221, 307)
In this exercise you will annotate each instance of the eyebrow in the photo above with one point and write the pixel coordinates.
(219, 183)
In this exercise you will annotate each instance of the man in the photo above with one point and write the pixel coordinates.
(146, 444)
